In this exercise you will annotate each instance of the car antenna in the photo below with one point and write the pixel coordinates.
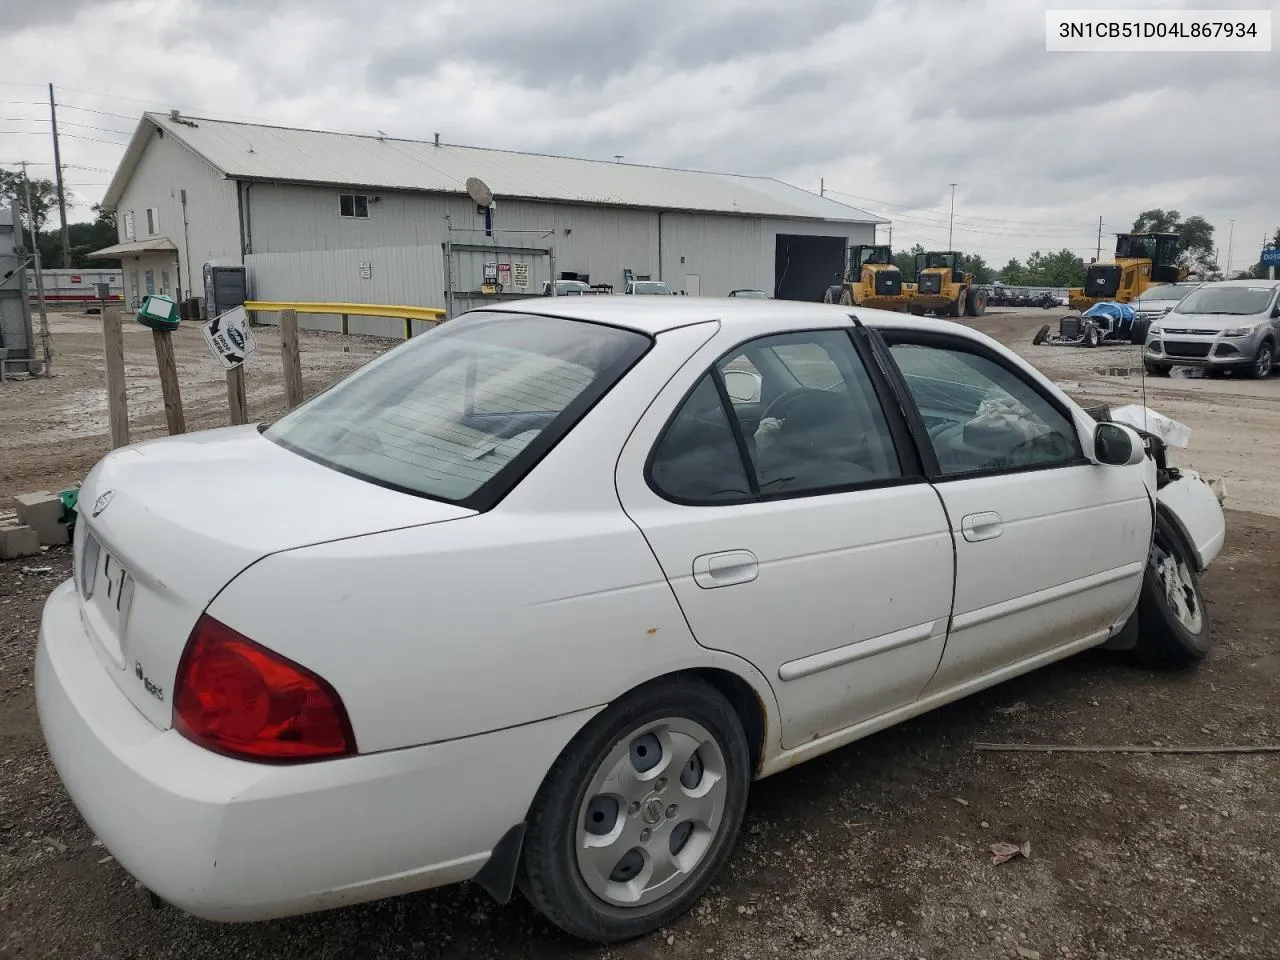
(1142, 373)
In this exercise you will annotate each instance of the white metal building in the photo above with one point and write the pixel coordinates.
(315, 215)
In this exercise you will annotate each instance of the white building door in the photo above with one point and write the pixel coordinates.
(693, 284)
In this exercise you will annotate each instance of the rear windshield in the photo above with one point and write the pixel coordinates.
(462, 412)
(1236, 301)
(1164, 292)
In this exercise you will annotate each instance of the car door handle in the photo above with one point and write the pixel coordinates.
(981, 526)
(725, 569)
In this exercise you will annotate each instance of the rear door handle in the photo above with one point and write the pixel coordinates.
(725, 569)
(981, 526)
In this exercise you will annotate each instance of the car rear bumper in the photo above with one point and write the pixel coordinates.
(228, 840)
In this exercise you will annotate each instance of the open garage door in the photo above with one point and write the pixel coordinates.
(803, 267)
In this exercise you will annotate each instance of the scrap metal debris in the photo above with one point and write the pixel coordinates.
(1001, 852)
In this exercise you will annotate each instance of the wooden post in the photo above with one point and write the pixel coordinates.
(292, 358)
(408, 328)
(236, 396)
(168, 368)
(344, 325)
(117, 397)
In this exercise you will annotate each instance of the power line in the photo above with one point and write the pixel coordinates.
(66, 123)
(71, 106)
(73, 136)
(943, 213)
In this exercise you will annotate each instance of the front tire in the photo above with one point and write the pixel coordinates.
(1263, 361)
(846, 298)
(1173, 625)
(1156, 369)
(639, 813)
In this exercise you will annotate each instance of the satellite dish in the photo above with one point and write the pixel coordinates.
(479, 191)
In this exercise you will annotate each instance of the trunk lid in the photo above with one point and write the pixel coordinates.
(164, 525)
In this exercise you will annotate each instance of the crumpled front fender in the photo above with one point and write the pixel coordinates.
(1195, 508)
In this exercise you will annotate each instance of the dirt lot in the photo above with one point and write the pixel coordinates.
(876, 851)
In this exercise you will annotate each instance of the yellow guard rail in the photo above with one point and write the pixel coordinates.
(344, 310)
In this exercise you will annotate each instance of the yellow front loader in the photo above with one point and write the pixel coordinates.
(871, 279)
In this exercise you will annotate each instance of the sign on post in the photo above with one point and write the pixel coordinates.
(1271, 257)
(229, 337)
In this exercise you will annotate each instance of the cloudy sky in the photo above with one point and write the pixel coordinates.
(888, 102)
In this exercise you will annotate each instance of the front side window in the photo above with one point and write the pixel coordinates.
(980, 415)
(801, 408)
(459, 413)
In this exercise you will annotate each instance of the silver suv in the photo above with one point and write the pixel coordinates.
(1232, 325)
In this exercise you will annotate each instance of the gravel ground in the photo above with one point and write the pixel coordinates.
(879, 850)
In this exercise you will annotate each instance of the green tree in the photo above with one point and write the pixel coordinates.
(43, 197)
(906, 261)
(1061, 269)
(1013, 273)
(978, 266)
(1196, 234)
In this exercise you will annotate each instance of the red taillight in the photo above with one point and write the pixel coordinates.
(239, 698)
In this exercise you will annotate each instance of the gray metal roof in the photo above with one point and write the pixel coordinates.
(133, 248)
(258, 152)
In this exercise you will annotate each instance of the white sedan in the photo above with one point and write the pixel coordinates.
(531, 600)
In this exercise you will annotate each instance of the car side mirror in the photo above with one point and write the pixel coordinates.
(743, 386)
(1275, 311)
(1116, 445)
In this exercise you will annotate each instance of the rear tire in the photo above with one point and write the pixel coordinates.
(1173, 625)
(1263, 362)
(591, 803)
(832, 295)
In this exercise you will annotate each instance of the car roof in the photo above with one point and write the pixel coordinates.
(657, 316)
(1270, 284)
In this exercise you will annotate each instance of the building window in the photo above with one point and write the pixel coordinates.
(353, 205)
(128, 226)
(153, 221)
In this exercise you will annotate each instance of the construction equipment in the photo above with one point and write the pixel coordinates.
(944, 287)
(1142, 259)
(871, 279)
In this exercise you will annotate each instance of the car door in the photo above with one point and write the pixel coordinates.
(1050, 547)
(800, 535)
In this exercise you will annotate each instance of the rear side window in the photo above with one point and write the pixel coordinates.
(697, 460)
(802, 419)
(462, 412)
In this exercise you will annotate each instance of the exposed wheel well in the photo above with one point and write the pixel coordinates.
(746, 704)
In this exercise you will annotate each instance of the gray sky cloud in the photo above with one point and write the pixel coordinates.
(888, 102)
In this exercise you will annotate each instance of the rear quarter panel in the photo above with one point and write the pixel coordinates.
(551, 602)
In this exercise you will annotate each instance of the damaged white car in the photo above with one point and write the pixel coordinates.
(531, 599)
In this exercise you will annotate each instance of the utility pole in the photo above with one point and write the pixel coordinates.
(1231, 238)
(1098, 256)
(57, 172)
(822, 186)
(952, 227)
(35, 254)
(890, 236)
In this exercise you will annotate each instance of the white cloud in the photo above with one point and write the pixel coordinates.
(887, 102)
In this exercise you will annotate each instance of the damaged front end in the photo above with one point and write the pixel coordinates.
(1192, 504)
